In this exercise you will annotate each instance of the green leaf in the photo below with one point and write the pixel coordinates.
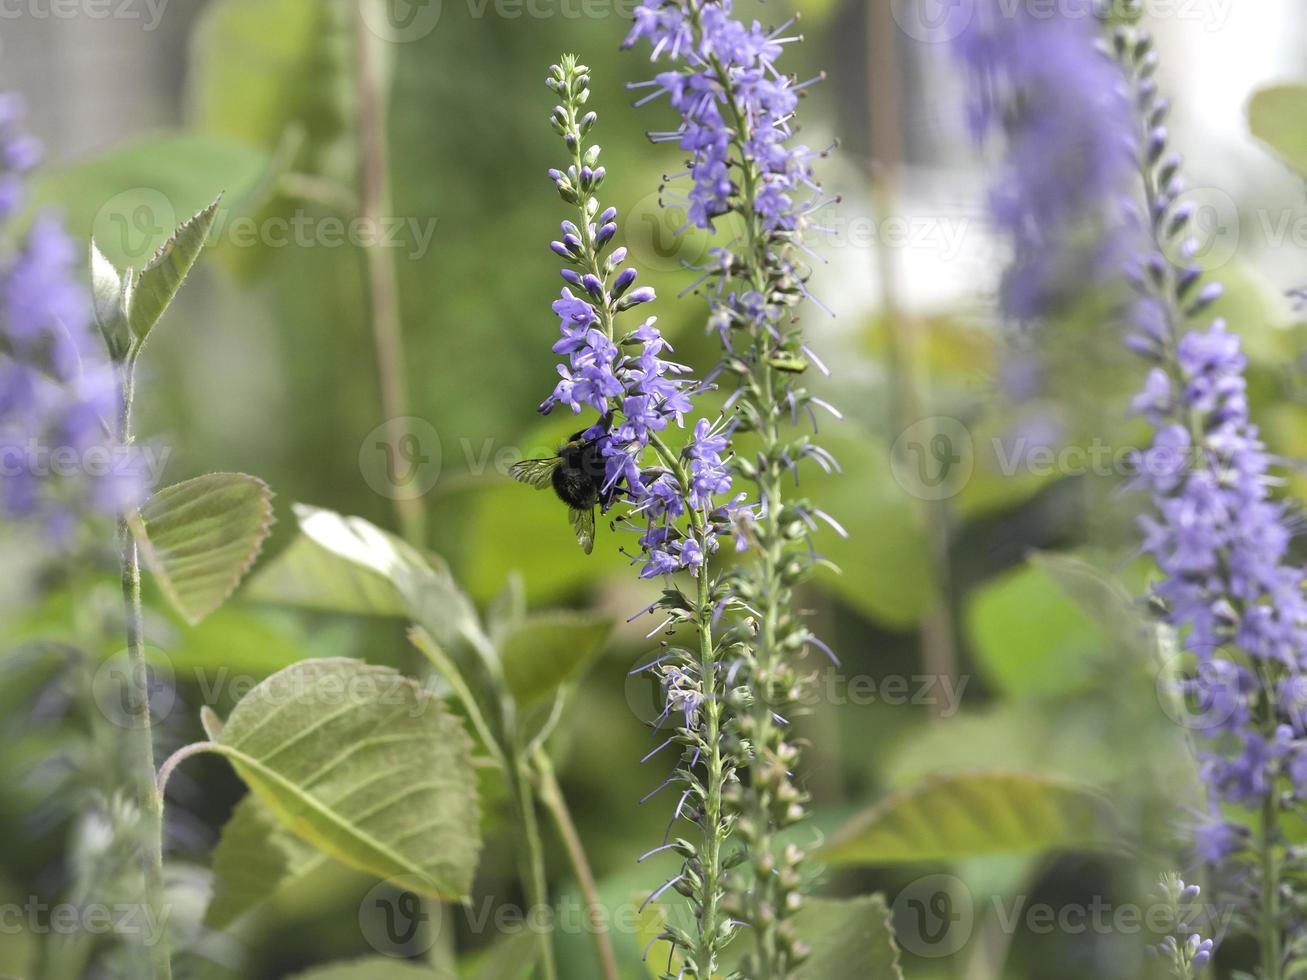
(240, 641)
(429, 592)
(1278, 117)
(513, 958)
(254, 856)
(150, 292)
(550, 649)
(1031, 639)
(885, 569)
(309, 576)
(851, 940)
(200, 537)
(364, 764)
(953, 816)
(108, 299)
(373, 968)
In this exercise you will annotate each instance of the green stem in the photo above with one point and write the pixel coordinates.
(531, 855)
(383, 284)
(1272, 958)
(551, 796)
(141, 735)
(708, 946)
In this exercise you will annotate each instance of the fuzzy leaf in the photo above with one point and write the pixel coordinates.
(109, 303)
(200, 537)
(154, 288)
(365, 765)
(947, 817)
(850, 940)
(549, 649)
(254, 856)
(1276, 115)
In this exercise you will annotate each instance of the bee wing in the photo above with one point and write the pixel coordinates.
(538, 473)
(583, 523)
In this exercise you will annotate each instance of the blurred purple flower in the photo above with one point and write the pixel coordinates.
(1043, 85)
(58, 391)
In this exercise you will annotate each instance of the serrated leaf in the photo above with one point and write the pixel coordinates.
(1276, 117)
(547, 650)
(200, 537)
(953, 816)
(851, 940)
(254, 856)
(365, 765)
(108, 303)
(157, 284)
(308, 576)
(373, 968)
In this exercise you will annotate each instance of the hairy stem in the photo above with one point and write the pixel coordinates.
(141, 734)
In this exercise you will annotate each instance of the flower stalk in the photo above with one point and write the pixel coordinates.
(736, 111)
(1218, 535)
(671, 499)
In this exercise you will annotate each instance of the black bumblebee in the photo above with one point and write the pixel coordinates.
(576, 473)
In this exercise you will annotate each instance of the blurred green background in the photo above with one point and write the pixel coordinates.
(267, 366)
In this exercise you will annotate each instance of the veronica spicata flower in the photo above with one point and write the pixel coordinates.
(627, 379)
(58, 391)
(736, 110)
(711, 43)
